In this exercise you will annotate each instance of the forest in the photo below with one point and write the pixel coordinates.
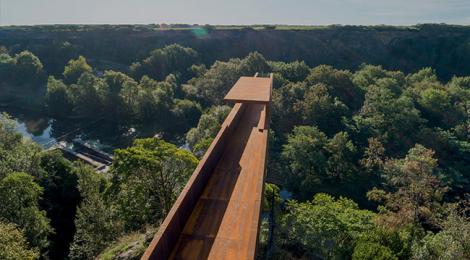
(367, 159)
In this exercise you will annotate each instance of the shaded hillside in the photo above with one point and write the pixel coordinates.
(443, 47)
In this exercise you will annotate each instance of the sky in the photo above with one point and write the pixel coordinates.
(299, 12)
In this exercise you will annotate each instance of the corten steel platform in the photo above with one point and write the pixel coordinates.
(217, 215)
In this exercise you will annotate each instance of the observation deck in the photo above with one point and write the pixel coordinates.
(217, 215)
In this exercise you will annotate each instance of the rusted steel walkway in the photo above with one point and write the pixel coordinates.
(217, 214)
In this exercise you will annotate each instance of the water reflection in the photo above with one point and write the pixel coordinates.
(101, 134)
(36, 131)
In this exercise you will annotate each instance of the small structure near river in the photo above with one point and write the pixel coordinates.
(78, 150)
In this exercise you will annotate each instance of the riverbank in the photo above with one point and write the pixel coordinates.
(102, 134)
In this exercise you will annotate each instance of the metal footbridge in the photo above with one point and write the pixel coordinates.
(217, 215)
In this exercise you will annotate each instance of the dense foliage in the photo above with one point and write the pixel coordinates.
(147, 178)
(323, 227)
(376, 162)
(56, 209)
(13, 245)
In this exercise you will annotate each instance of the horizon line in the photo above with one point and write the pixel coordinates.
(235, 25)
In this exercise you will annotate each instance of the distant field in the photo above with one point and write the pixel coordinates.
(176, 27)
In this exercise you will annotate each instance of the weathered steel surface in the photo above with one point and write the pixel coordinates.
(224, 223)
(217, 214)
(168, 234)
(250, 90)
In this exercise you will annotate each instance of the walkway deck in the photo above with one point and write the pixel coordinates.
(223, 221)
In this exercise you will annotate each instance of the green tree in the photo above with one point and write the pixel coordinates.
(75, 68)
(271, 197)
(28, 67)
(88, 95)
(392, 119)
(339, 84)
(19, 197)
(453, 242)
(13, 244)
(210, 88)
(271, 208)
(306, 158)
(147, 178)
(463, 82)
(294, 71)
(94, 221)
(116, 94)
(313, 163)
(114, 101)
(370, 75)
(423, 75)
(453, 155)
(9, 137)
(287, 106)
(208, 126)
(414, 193)
(324, 227)
(7, 68)
(115, 81)
(374, 157)
(437, 107)
(383, 243)
(200, 148)
(173, 58)
(16, 153)
(129, 94)
(155, 99)
(341, 159)
(435, 100)
(58, 99)
(322, 110)
(60, 200)
(372, 251)
(187, 113)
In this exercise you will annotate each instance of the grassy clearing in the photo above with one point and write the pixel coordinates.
(130, 246)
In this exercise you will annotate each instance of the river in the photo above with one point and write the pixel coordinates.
(100, 134)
